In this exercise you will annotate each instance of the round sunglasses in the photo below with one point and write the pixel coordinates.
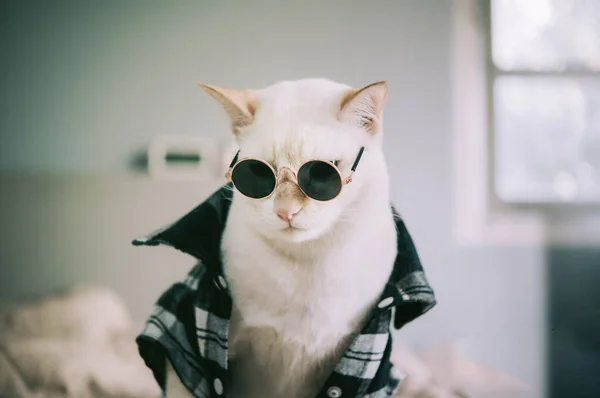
(320, 180)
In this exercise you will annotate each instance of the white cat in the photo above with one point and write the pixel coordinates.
(303, 274)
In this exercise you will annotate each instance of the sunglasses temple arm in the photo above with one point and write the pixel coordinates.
(233, 162)
(360, 153)
(235, 159)
(348, 179)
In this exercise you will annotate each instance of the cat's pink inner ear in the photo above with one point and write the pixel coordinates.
(240, 105)
(364, 106)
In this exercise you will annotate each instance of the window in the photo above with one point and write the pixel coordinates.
(526, 121)
(544, 62)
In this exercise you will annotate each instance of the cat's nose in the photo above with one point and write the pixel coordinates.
(286, 213)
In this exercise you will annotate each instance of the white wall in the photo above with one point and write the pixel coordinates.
(87, 84)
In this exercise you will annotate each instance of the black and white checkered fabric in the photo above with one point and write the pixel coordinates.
(190, 321)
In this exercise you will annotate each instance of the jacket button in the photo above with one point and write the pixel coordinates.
(334, 392)
(218, 386)
(385, 302)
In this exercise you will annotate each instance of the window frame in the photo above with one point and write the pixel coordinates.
(480, 217)
(493, 72)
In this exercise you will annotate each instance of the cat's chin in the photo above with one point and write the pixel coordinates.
(294, 235)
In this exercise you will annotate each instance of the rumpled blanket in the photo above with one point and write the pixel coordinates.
(76, 344)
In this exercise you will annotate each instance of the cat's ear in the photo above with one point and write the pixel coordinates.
(364, 106)
(240, 105)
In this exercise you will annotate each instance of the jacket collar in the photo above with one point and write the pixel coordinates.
(199, 233)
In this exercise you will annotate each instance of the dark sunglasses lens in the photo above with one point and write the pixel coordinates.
(319, 180)
(253, 178)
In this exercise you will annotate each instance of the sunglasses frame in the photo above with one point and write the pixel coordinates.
(345, 181)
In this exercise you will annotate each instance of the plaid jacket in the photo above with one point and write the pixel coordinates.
(190, 322)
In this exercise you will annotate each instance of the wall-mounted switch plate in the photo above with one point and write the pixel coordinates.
(183, 157)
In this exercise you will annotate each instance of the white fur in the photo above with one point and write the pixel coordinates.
(300, 296)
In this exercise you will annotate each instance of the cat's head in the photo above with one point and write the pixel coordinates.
(292, 122)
